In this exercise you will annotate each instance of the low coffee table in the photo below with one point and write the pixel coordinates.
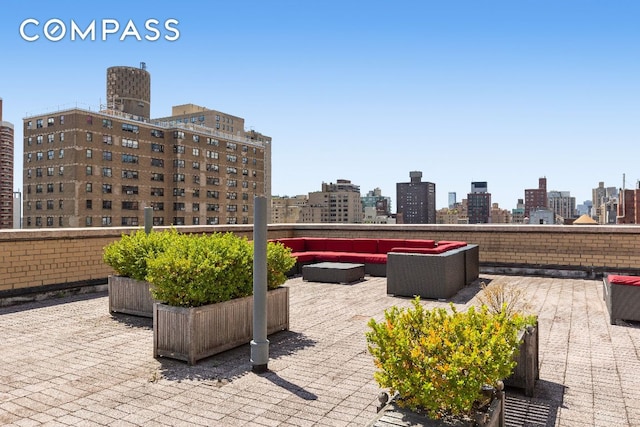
(333, 272)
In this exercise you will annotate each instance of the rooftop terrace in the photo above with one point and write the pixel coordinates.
(67, 361)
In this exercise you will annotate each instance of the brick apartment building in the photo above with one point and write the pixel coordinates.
(6, 173)
(416, 200)
(102, 168)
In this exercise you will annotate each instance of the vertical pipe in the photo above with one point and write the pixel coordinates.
(259, 344)
(148, 219)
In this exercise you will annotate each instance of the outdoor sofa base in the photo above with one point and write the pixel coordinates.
(433, 276)
(622, 297)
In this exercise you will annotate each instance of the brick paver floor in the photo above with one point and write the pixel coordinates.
(69, 362)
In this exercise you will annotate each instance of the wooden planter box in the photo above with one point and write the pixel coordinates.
(130, 296)
(526, 371)
(191, 334)
(393, 415)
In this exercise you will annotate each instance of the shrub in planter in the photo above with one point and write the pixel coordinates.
(438, 361)
(129, 255)
(128, 290)
(207, 269)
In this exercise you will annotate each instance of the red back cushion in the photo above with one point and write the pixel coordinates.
(365, 246)
(339, 245)
(385, 245)
(295, 243)
(315, 243)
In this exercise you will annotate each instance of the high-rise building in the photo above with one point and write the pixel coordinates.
(6, 173)
(416, 201)
(375, 199)
(479, 203)
(629, 206)
(287, 210)
(605, 201)
(562, 204)
(517, 214)
(536, 198)
(452, 200)
(102, 168)
(336, 202)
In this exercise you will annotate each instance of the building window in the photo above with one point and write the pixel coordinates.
(196, 220)
(195, 152)
(61, 153)
(127, 174)
(157, 191)
(196, 138)
(39, 188)
(106, 123)
(106, 204)
(157, 177)
(178, 220)
(130, 220)
(50, 138)
(196, 179)
(212, 180)
(212, 141)
(157, 133)
(128, 158)
(106, 188)
(29, 124)
(129, 189)
(157, 148)
(60, 204)
(89, 170)
(38, 123)
(130, 128)
(38, 205)
(157, 162)
(212, 194)
(196, 165)
(89, 204)
(178, 163)
(61, 170)
(178, 134)
(61, 187)
(89, 137)
(107, 172)
(39, 172)
(50, 171)
(51, 155)
(106, 220)
(195, 207)
(88, 221)
(107, 139)
(129, 143)
(213, 207)
(61, 120)
(178, 207)
(39, 139)
(49, 221)
(213, 220)
(90, 153)
(50, 187)
(129, 205)
(232, 183)
(157, 206)
(89, 120)
(88, 187)
(158, 220)
(61, 136)
(178, 149)
(178, 177)
(178, 192)
(107, 155)
(211, 154)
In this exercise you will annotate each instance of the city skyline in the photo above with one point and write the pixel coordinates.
(504, 93)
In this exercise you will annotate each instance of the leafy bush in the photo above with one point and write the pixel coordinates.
(279, 261)
(439, 360)
(129, 255)
(207, 269)
(201, 270)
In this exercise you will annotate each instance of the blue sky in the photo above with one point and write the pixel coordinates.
(497, 91)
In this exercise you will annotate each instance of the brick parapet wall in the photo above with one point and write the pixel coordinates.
(35, 258)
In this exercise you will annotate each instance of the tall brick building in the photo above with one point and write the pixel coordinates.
(536, 198)
(86, 168)
(6, 173)
(416, 200)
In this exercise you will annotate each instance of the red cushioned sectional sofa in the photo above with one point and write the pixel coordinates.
(375, 253)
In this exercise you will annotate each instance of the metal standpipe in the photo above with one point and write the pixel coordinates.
(148, 219)
(260, 344)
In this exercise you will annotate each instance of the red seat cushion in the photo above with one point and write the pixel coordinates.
(437, 250)
(417, 243)
(303, 256)
(452, 244)
(624, 280)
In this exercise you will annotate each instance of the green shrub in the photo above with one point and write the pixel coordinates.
(438, 360)
(202, 270)
(279, 261)
(129, 255)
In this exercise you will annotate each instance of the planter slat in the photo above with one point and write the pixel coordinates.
(130, 296)
(191, 334)
(526, 371)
